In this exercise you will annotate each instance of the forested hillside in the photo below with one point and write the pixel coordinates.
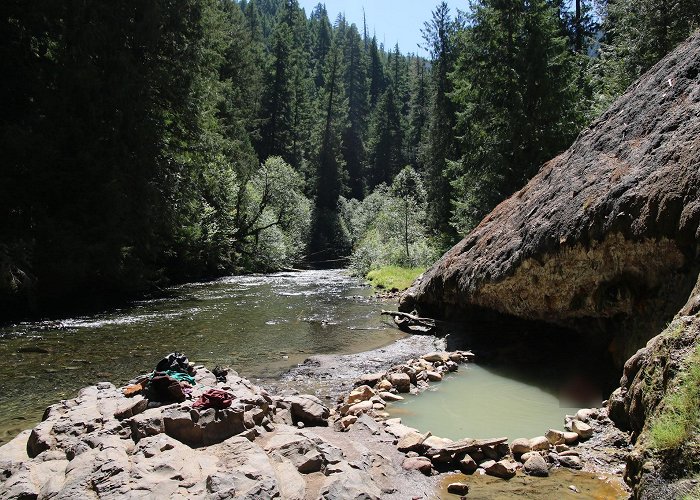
(146, 143)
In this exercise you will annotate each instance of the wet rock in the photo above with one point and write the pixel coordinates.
(458, 488)
(421, 464)
(583, 430)
(535, 465)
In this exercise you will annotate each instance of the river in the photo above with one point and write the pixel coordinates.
(261, 325)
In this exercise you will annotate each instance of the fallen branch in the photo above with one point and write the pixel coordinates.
(410, 322)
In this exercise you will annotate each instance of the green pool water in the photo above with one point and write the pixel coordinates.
(260, 325)
(480, 402)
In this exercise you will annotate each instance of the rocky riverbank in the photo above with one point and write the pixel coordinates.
(229, 438)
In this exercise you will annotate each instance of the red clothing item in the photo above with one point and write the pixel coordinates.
(213, 398)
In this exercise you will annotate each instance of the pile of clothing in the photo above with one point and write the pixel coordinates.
(172, 381)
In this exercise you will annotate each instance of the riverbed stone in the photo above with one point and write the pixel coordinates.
(585, 414)
(520, 445)
(535, 465)
(539, 443)
(401, 381)
(434, 376)
(583, 430)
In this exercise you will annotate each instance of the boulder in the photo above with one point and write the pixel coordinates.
(434, 376)
(603, 238)
(535, 465)
(291, 483)
(308, 409)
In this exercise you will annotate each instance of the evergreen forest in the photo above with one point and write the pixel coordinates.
(151, 143)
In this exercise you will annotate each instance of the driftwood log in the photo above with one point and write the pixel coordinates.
(410, 322)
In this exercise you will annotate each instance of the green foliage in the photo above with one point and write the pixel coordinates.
(394, 277)
(514, 84)
(388, 227)
(679, 417)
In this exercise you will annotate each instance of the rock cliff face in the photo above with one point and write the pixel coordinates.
(605, 237)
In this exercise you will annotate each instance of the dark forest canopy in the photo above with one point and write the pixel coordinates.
(146, 143)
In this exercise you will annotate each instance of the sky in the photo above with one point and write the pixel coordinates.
(391, 20)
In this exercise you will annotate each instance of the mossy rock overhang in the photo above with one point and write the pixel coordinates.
(606, 236)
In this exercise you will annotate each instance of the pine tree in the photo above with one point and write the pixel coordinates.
(439, 34)
(329, 237)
